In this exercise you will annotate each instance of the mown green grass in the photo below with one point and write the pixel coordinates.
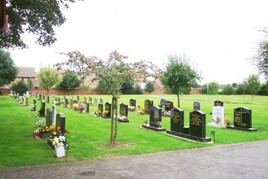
(89, 134)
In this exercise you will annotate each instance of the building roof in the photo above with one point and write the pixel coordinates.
(28, 72)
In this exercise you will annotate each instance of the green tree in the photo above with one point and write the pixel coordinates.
(19, 87)
(69, 81)
(212, 88)
(149, 86)
(264, 89)
(37, 17)
(228, 89)
(127, 86)
(8, 70)
(179, 75)
(137, 90)
(29, 83)
(241, 88)
(261, 56)
(113, 73)
(253, 85)
(48, 77)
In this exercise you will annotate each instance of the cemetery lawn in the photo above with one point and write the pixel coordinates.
(88, 135)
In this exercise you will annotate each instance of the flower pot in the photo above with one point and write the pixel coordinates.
(60, 151)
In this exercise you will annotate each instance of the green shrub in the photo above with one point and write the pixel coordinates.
(20, 87)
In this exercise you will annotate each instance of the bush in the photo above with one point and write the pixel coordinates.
(228, 90)
(137, 90)
(149, 87)
(19, 87)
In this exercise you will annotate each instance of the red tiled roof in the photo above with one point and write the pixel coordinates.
(28, 72)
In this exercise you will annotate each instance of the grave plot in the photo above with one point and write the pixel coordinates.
(242, 120)
(155, 122)
(123, 113)
(197, 125)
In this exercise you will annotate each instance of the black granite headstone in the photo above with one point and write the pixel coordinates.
(218, 103)
(100, 108)
(132, 102)
(242, 117)
(198, 124)
(60, 122)
(168, 105)
(155, 116)
(108, 108)
(147, 105)
(163, 102)
(177, 120)
(197, 105)
(123, 109)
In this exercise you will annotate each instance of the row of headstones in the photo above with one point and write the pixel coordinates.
(197, 123)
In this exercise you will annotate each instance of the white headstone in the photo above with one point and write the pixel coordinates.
(217, 116)
(54, 114)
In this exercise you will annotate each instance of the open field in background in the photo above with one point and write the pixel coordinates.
(88, 134)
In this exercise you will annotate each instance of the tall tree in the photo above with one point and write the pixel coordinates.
(261, 56)
(37, 17)
(69, 81)
(253, 85)
(8, 70)
(111, 72)
(179, 75)
(48, 77)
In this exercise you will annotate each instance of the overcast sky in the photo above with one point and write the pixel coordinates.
(218, 36)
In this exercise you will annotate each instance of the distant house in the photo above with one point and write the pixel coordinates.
(25, 74)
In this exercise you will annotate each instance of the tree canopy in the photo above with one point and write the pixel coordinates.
(69, 81)
(37, 17)
(253, 85)
(48, 77)
(179, 75)
(8, 70)
(112, 73)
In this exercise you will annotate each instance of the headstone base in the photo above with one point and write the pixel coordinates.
(124, 121)
(158, 129)
(242, 128)
(216, 125)
(187, 136)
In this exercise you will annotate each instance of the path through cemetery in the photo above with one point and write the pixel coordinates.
(243, 160)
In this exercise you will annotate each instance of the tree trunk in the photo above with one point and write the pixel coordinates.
(112, 122)
(115, 121)
(178, 95)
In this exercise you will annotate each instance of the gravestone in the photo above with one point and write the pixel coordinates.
(242, 119)
(26, 101)
(217, 114)
(33, 108)
(60, 122)
(39, 97)
(168, 105)
(100, 109)
(85, 100)
(162, 102)
(177, 120)
(108, 108)
(197, 126)
(59, 101)
(66, 103)
(49, 117)
(44, 97)
(147, 105)
(95, 101)
(53, 114)
(197, 105)
(42, 109)
(77, 98)
(132, 102)
(101, 100)
(87, 107)
(123, 112)
(155, 122)
(90, 101)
